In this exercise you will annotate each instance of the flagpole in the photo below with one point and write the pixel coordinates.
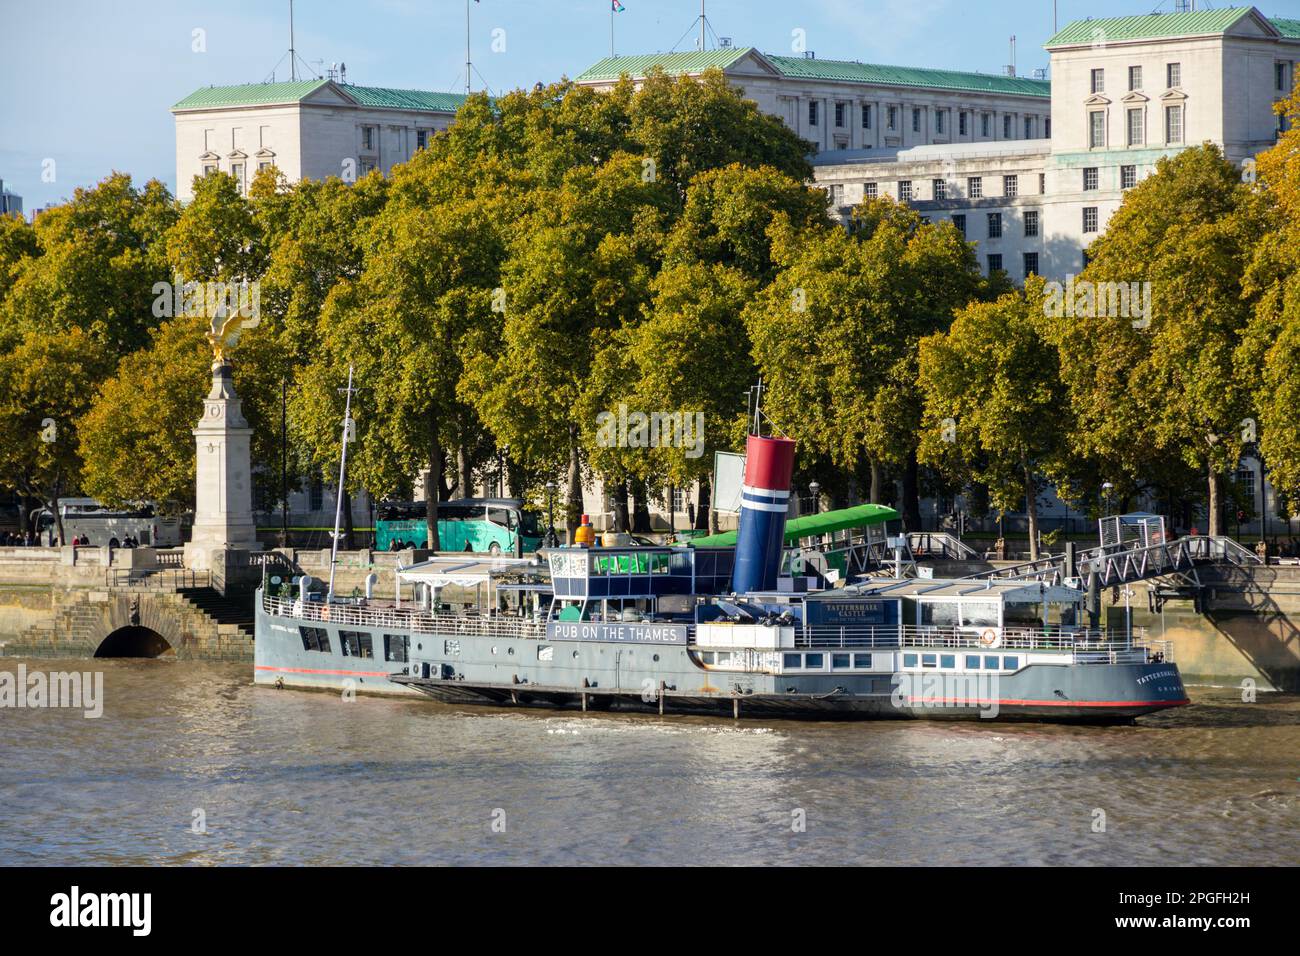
(611, 27)
(467, 60)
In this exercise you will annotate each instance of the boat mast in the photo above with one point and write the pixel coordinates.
(343, 468)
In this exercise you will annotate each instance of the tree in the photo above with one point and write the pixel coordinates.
(995, 409)
(44, 389)
(834, 335)
(1270, 351)
(1156, 383)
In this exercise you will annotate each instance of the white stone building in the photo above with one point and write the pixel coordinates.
(11, 204)
(310, 129)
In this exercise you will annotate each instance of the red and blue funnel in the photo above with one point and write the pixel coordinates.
(764, 501)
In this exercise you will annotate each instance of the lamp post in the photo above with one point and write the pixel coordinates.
(816, 489)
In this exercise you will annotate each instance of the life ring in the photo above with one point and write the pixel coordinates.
(325, 613)
(989, 637)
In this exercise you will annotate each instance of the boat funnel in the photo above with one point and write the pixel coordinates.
(764, 500)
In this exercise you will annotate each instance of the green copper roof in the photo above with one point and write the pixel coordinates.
(612, 67)
(855, 72)
(1288, 28)
(1156, 25)
(268, 94)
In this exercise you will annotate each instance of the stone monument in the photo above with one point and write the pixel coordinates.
(223, 500)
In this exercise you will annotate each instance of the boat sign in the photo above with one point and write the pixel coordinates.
(618, 632)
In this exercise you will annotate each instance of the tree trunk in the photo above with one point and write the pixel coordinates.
(1215, 504)
(911, 493)
(876, 481)
(464, 473)
(573, 512)
(640, 508)
(347, 520)
(619, 499)
(703, 510)
(1031, 508)
(432, 491)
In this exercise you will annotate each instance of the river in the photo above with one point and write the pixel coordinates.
(190, 764)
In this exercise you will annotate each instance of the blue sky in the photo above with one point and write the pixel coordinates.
(88, 83)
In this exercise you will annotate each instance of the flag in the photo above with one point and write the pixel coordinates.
(616, 6)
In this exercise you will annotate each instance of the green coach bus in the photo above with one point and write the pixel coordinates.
(484, 525)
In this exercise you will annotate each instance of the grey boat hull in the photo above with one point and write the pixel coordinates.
(668, 678)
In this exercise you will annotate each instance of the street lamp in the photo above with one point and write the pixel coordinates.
(1106, 488)
(815, 488)
(550, 514)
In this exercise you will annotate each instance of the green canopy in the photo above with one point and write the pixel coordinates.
(811, 526)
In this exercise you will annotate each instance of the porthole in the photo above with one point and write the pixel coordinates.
(510, 650)
(575, 655)
(656, 657)
(494, 650)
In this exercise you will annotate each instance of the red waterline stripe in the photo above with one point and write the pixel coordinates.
(308, 670)
(1053, 703)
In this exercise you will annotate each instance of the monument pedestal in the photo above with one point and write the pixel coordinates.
(223, 501)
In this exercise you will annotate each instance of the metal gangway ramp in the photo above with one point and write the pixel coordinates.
(1134, 547)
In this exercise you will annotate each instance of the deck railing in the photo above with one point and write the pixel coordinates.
(406, 619)
(1085, 645)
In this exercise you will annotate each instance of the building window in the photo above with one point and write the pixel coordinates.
(904, 190)
(237, 170)
(1279, 73)
(869, 190)
(1031, 264)
(1128, 177)
(1090, 178)
(1011, 186)
(995, 263)
(1047, 128)
(1173, 75)
(316, 495)
(893, 117)
(841, 110)
(995, 225)
(986, 125)
(1006, 127)
(1089, 218)
(421, 139)
(1042, 184)
(1029, 127)
(916, 120)
(975, 187)
(939, 120)
(1136, 128)
(940, 189)
(866, 116)
(1096, 129)
(1031, 222)
(963, 123)
(812, 112)
(367, 137)
(836, 193)
(959, 222)
(1173, 124)
(209, 169)
(1099, 81)
(264, 164)
(1135, 77)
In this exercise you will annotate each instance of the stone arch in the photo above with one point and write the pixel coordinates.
(133, 641)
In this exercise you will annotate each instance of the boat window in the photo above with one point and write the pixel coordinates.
(948, 660)
(991, 663)
(1011, 663)
(909, 660)
(979, 613)
(839, 660)
(814, 660)
(792, 661)
(396, 647)
(942, 613)
(1023, 614)
(356, 644)
(724, 657)
(707, 657)
(862, 661)
(929, 660)
(972, 662)
(314, 639)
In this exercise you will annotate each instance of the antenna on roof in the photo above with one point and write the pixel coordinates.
(293, 66)
(1011, 67)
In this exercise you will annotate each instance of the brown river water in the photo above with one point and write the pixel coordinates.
(293, 777)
